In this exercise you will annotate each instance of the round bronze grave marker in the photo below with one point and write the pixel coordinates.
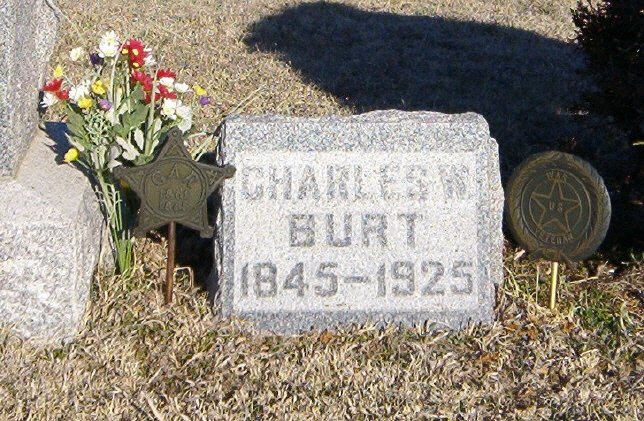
(557, 207)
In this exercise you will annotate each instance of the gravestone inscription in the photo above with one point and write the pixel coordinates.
(386, 217)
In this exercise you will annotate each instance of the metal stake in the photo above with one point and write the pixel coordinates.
(169, 269)
(554, 269)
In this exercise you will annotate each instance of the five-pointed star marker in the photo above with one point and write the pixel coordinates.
(555, 208)
(174, 188)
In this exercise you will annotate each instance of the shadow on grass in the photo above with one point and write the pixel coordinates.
(525, 85)
(522, 83)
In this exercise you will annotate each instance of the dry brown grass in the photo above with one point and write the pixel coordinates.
(137, 359)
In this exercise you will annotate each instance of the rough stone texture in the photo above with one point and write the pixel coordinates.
(50, 223)
(387, 216)
(50, 231)
(27, 36)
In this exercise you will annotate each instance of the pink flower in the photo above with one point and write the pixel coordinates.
(63, 94)
(161, 73)
(164, 92)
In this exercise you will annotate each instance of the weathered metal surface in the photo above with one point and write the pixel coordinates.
(174, 188)
(557, 207)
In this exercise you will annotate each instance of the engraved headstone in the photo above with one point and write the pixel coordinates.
(387, 216)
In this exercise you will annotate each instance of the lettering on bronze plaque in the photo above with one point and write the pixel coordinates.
(174, 188)
(558, 207)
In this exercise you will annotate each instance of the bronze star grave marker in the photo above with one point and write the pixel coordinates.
(173, 189)
(557, 208)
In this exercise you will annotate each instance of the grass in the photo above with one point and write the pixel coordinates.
(138, 359)
(135, 358)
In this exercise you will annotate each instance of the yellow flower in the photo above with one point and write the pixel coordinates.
(58, 71)
(71, 155)
(85, 103)
(98, 87)
(199, 90)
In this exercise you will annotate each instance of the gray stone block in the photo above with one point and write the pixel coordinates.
(50, 223)
(388, 216)
(27, 37)
(50, 232)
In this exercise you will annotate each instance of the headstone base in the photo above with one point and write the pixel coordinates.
(50, 235)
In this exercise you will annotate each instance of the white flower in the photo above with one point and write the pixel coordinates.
(77, 92)
(169, 108)
(139, 138)
(109, 45)
(173, 108)
(48, 99)
(77, 53)
(182, 88)
(185, 125)
(185, 113)
(149, 59)
(166, 81)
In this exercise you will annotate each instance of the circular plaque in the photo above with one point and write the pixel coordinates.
(557, 207)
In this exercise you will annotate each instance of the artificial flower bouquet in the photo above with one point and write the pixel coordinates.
(117, 115)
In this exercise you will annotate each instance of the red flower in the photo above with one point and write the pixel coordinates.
(53, 86)
(166, 73)
(56, 87)
(144, 79)
(135, 51)
(63, 94)
(164, 92)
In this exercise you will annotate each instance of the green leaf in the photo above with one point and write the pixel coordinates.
(136, 95)
(134, 119)
(163, 130)
(76, 124)
(121, 131)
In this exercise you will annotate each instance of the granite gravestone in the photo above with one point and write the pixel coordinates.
(27, 36)
(50, 223)
(387, 216)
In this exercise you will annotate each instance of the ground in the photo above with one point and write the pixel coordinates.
(510, 60)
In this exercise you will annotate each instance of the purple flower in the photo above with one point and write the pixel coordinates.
(104, 104)
(204, 100)
(96, 59)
